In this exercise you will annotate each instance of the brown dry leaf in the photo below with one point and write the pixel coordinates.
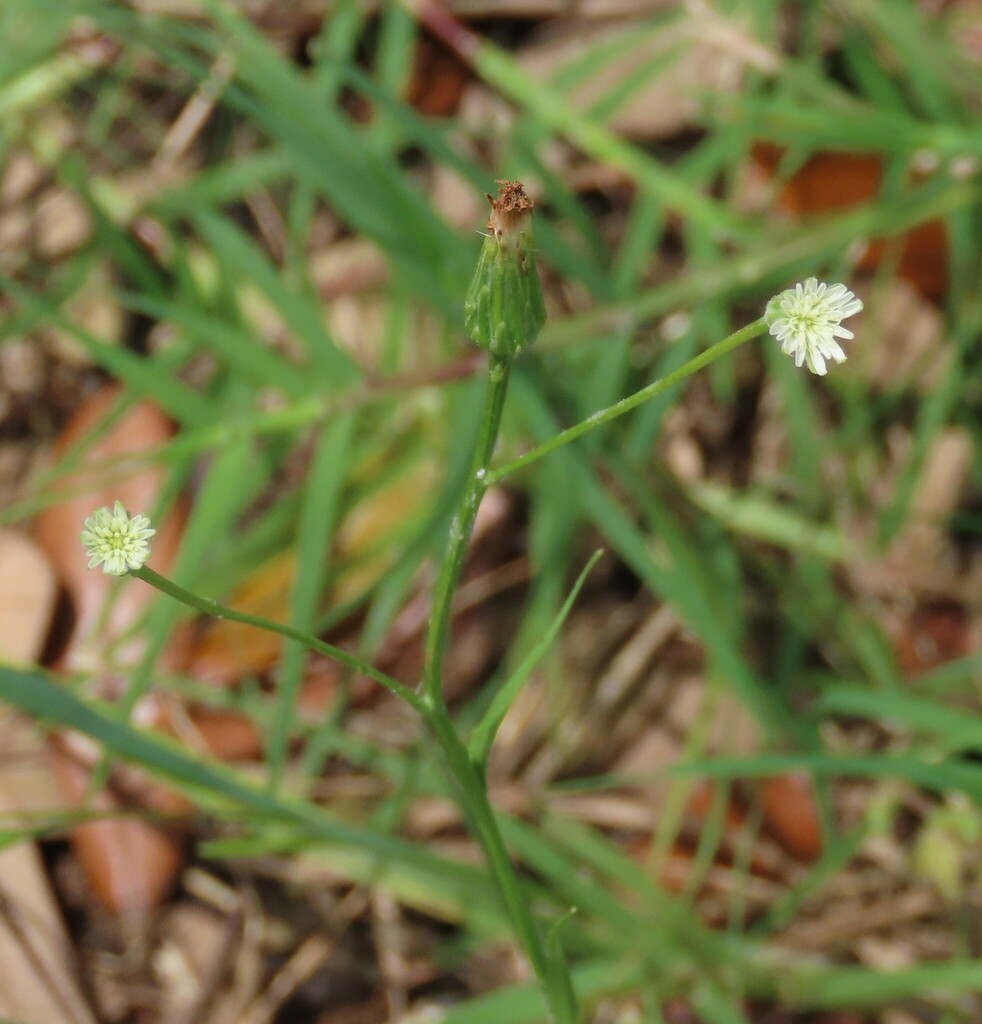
(944, 479)
(21, 176)
(27, 598)
(36, 981)
(685, 66)
(24, 770)
(364, 535)
(791, 814)
(348, 266)
(910, 349)
(213, 731)
(858, 918)
(438, 80)
(764, 859)
(831, 181)
(55, 227)
(930, 637)
(228, 652)
(197, 949)
(456, 199)
(130, 863)
(37, 984)
(92, 308)
(139, 430)
(734, 730)
(922, 560)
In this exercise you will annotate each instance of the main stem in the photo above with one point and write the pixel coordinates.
(480, 814)
(461, 528)
(473, 793)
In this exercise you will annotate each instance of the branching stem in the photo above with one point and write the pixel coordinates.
(209, 607)
(598, 419)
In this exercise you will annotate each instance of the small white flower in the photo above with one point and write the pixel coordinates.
(807, 319)
(117, 539)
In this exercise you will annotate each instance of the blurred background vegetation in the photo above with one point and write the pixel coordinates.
(234, 244)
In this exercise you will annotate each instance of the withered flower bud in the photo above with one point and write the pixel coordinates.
(504, 310)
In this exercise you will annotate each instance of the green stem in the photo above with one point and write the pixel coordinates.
(477, 807)
(461, 529)
(219, 611)
(472, 792)
(598, 419)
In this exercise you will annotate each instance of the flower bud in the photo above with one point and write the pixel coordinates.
(504, 310)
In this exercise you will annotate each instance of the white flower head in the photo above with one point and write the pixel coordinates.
(117, 540)
(807, 320)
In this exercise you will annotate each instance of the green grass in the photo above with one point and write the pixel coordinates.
(717, 552)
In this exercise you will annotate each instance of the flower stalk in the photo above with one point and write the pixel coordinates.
(625, 405)
(207, 606)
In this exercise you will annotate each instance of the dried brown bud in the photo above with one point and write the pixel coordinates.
(511, 212)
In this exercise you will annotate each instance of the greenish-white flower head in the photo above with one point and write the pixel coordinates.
(117, 540)
(807, 321)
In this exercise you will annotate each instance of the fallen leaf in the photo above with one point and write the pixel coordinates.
(791, 814)
(227, 735)
(224, 653)
(130, 863)
(37, 980)
(670, 97)
(139, 430)
(37, 985)
(27, 598)
(911, 349)
(830, 181)
(438, 80)
(930, 637)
